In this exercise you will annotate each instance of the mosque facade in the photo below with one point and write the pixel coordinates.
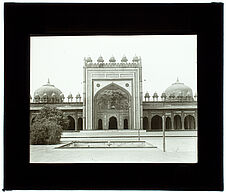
(113, 99)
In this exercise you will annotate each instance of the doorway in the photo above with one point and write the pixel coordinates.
(113, 123)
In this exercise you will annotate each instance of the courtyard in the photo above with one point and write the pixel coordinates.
(181, 147)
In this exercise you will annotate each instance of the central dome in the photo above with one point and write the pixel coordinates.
(48, 94)
(179, 91)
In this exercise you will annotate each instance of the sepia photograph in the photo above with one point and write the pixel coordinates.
(113, 99)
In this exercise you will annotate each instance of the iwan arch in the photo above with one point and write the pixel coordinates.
(113, 108)
(112, 90)
(113, 99)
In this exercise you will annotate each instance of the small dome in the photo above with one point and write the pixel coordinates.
(88, 59)
(135, 59)
(70, 96)
(178, 90)
(172, 95)
(100, 59)
(124, 59)
(163, 95)
(37, 96)
(112, 59)
(155, 95)
(78, 96)
(47, 91)
(147, 95)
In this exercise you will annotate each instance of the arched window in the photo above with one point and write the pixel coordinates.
(100, 124)
(177, 122)
(71, 125)
(189, 122)
(168, 123)
(113, 123)
(156, 123)
(79, 123)
(125, 123)
(145, 123)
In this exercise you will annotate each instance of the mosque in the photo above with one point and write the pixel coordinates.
(113, 99)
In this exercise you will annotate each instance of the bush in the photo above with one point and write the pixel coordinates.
(48, 126)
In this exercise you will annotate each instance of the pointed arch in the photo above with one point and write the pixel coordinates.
(112, 85)
(189, 122)
(71, 125)
(80, 124)
(168, 123)
(100, 124)
(113, 124)
(156, 122)
(177, 122)
(125, 124)
(145, 123)
(113, 99)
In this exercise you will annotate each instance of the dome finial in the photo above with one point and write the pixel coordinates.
(177, 80)
(48, 81)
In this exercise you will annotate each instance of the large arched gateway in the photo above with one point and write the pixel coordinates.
(112, 104)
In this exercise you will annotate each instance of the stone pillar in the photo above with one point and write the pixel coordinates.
(149, 121)
(172, 122)
(105, 122)
(130, 123)
(76, 123)
(196, 122)
(163, 131)
(182, 120)
(119, 121)
(84, 98)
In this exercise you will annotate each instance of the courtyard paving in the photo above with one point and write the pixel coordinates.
(178, 150)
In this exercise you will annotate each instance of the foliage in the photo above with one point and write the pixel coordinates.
(48, 126)
(53, 114)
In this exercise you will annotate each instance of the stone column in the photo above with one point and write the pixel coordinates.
(76, 123)
(163, 131)
(172, 122)
(149, 121)
(196, 121)
(182, 120)
(105, 122)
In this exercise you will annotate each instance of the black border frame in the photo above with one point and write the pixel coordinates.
(25, 19)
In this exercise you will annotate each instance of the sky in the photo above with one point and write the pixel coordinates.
(164, 59)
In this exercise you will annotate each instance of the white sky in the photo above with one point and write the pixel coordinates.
(164, 58)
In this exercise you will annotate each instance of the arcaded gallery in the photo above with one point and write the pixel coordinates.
(113, 98)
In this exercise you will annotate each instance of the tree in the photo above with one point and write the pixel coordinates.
(48, 126)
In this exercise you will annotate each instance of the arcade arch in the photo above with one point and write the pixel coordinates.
(177, 122)
(156, 122)
(189, 122)
(145, 123)
(109, 101)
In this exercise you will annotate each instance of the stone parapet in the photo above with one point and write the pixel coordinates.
(109, 65)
